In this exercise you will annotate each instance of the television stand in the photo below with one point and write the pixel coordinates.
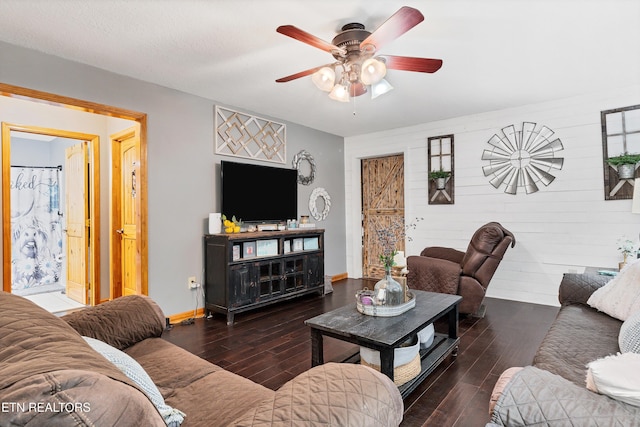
(246, 271)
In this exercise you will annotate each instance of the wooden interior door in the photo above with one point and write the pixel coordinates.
(77, 220)
(382, 211)
(127, 265)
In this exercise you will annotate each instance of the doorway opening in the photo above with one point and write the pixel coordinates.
(54, 201)
(107, 232)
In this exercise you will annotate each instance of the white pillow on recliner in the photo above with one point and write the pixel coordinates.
(621, 295)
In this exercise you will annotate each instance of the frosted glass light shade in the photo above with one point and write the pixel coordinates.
(339, 93)
(372, 71)
(324, 78)
(380, 88)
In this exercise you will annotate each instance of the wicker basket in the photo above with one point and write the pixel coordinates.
(406, 364)
(403, 373)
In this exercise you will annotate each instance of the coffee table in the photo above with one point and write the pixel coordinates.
(385, 334)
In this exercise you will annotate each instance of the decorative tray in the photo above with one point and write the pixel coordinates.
(387, 310)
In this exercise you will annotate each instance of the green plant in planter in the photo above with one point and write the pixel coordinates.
(439, 174)
(624, 159)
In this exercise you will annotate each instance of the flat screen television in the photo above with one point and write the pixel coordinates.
(260, 194)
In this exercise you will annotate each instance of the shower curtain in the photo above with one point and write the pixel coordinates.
(36, 229)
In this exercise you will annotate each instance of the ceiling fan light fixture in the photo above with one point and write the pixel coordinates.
(324, 79)
(372, 71)
(340, 93)
(380, 88)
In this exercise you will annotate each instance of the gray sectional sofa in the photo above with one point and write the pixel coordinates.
(552, 391)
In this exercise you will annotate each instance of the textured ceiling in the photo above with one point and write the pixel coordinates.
(497, 53)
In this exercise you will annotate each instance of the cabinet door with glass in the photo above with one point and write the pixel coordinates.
(242, 284)
(315, 270)
(271, 279)
(294, 273)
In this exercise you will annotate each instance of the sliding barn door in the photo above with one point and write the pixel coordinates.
(382, 211)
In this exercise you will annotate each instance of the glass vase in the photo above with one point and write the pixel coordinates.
(388, 291)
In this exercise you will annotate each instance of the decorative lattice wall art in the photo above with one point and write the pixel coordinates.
(243, 135)
(522, 158)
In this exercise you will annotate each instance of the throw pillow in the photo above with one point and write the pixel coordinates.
(617, 377)
(629, 336)
(137, 374)
(621, 295)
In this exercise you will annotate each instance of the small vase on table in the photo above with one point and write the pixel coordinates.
(388, 291)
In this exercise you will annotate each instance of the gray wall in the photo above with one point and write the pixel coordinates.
(183, 181)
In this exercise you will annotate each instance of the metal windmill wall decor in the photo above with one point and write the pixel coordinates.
(522, 158)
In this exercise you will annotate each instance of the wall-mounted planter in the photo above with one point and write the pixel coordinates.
(441, 184)
(626, 171)
(620, 146)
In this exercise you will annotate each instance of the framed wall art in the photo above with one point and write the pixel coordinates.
(620, 151)
(244, 135)
(440, 164)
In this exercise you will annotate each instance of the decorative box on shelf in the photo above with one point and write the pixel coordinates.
(267, 247)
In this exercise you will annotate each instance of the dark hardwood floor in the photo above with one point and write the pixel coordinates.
(272, 345)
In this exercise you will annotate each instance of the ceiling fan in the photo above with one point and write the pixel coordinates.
(356, 65)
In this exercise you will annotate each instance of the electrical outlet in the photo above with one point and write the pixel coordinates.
(191, 282)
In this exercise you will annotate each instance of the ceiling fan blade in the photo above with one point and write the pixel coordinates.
(304, 37)
(399, 23)
(407, 63)
(300, 74)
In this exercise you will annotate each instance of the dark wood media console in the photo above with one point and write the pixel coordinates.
(245, 271)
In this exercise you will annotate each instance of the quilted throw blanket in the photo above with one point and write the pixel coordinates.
(535, 397)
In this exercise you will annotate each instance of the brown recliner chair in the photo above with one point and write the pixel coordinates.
(467, 274)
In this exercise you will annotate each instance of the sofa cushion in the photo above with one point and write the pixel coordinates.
(73, 397)
(629, 337)
(617, 377)
(535, 397)
(502, 382)
(34, 341)
(579, 335)
(621, 295)
(121, 322)
(42, 359)
(333, 394)
(132, 369)
(204, 391)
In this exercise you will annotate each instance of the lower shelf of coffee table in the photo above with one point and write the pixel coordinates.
(430, 359)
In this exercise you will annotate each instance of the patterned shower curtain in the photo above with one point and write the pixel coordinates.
(36, 228)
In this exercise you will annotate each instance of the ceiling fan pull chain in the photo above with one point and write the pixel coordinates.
(354, 105)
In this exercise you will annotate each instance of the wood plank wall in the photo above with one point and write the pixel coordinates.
(561, 228)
